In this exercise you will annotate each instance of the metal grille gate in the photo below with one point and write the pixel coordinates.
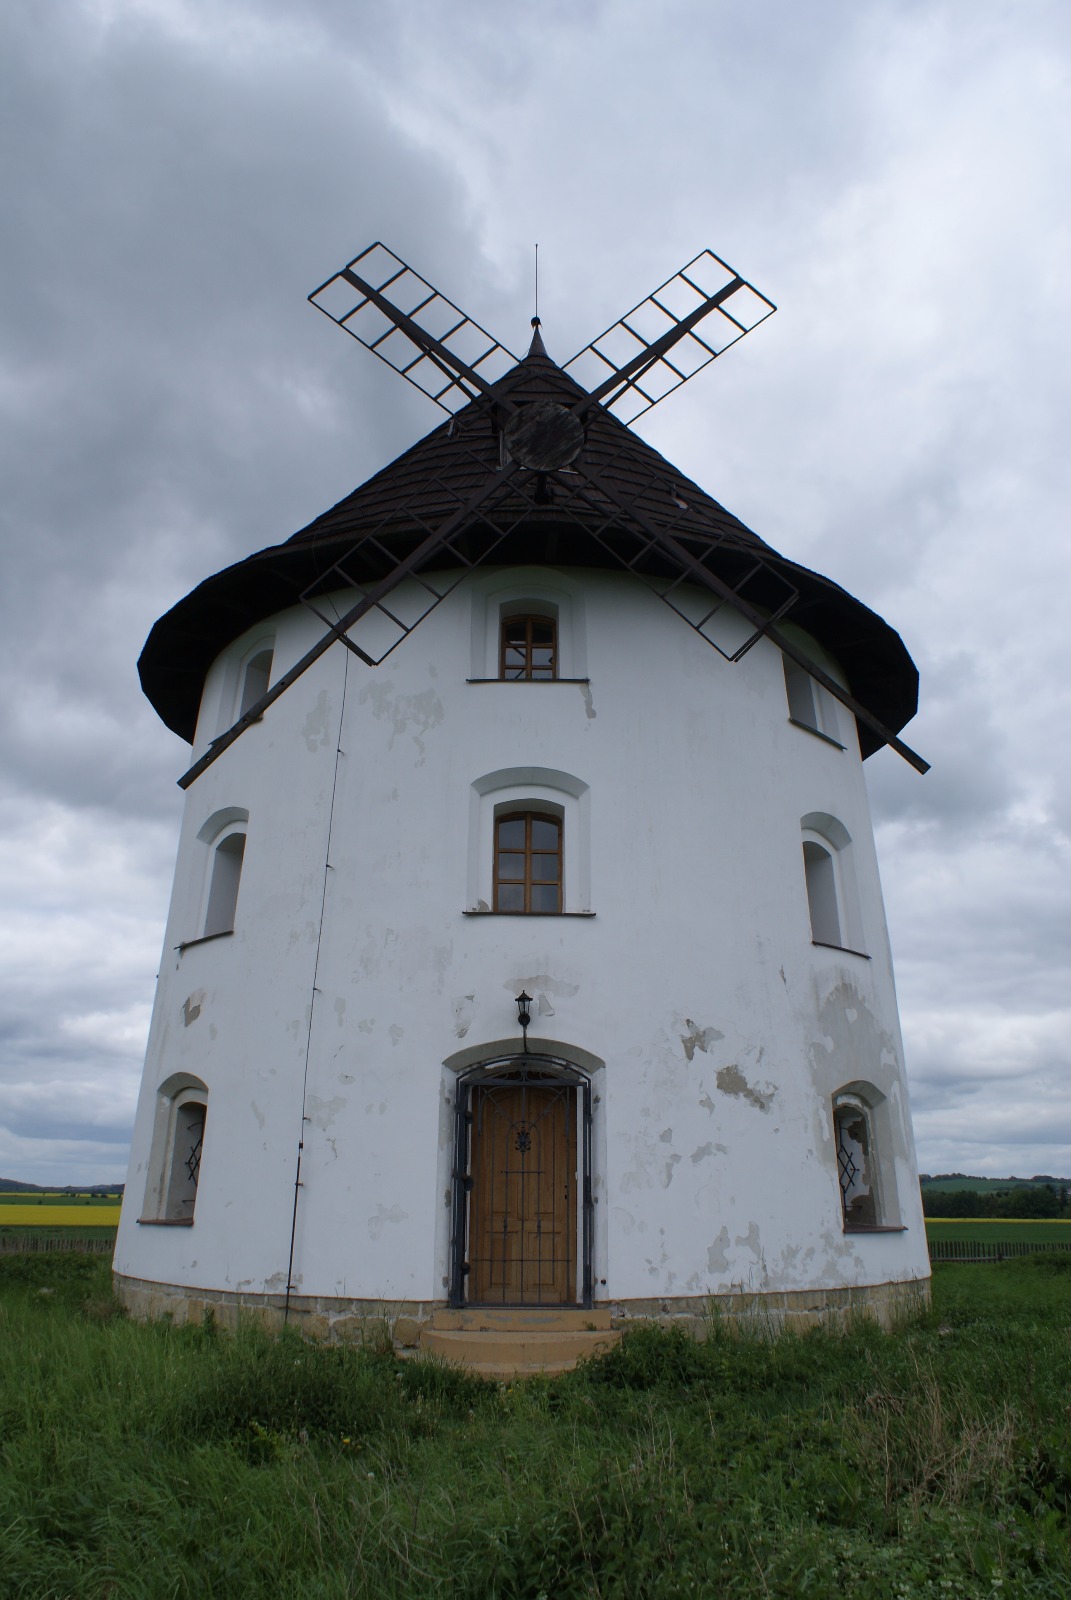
(522, 1185)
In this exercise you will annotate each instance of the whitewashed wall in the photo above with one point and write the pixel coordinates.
(723, 1031)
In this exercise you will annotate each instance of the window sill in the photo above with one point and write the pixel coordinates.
(875, 1227)
(529, 914)
(527, 680)
(845, 949)
(825, 737)
(165, 1222)
(206, 938)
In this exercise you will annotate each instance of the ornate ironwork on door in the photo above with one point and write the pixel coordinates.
(522, 1185)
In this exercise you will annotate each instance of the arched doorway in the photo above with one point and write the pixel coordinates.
(522, 1184)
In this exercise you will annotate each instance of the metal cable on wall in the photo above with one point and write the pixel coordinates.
(315, 990)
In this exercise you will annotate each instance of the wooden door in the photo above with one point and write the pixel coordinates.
(522, 1213)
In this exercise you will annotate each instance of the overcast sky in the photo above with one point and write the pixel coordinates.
(178, 174)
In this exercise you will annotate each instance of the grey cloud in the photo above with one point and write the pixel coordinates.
(178, 177)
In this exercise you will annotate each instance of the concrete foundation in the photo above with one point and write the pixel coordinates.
(352, 1321)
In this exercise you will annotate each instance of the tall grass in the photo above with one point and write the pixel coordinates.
(164, 1462)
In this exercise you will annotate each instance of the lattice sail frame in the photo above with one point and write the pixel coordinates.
(743, 308)
(431, 312)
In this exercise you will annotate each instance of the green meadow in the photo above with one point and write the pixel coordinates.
(998, 1230)
(154, 1461)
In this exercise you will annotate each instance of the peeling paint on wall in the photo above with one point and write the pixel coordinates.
(667, 1171)
(589, 704)
(321, 1113)
(462, 1009)
(314, 730)
(384, 1215)
(751, 1240)
(717, 1252)
(696, 1038)
(191, 1008)
(414, 714)
(731, 1080)
(541, 980)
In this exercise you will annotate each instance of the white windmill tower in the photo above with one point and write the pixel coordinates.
(541, 971)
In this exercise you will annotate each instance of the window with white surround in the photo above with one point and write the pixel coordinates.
(174, 1166)
(223, 887)
(822, 898)
(224, 834)
(551, 606)
(829, 873)
(810, 705)
(256, 678)
(528, 862)
(529, 843)
(866, 1172)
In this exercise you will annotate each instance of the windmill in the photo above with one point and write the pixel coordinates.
(542, 459)
(677, 887)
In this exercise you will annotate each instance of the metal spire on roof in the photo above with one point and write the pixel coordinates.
(537, 347)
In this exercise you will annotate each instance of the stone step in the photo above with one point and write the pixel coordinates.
(521, 1319)
(505, 1353)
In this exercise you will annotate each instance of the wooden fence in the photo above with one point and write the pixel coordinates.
(984, 1250)
(15, 1244)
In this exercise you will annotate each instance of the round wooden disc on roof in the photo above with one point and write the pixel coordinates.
(544, 436)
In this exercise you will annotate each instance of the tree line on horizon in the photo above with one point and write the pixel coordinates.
(1025, 1201)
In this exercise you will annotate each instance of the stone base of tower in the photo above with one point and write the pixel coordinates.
(352, 1321)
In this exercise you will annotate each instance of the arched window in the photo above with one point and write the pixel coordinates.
(188, 1132)
(496, 879)
(528, 648)
(256, 678)
(832, 898)
(528, 862)
(821, 893)
(174, 1166)
(856, 1166)
(227, 861)
(505, 648)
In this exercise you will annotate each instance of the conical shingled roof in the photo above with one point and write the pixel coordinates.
(427, 483)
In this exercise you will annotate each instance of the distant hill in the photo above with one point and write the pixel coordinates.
(13, 1186)
(958, 1183)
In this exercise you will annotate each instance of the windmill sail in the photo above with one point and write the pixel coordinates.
(740, 308)
(344, 298)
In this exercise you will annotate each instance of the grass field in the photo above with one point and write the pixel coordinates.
(142, 1462)
(998, 1230)
(983, 1185)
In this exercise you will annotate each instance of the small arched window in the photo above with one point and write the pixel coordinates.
(227, 859)
(856, 1166)
(174, 1166)
(256, 679)
(528, 862)
(832, 894)
(187, 1140)
(528, 648)
(822, 893)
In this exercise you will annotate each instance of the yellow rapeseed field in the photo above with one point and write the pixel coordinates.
(51, 1216)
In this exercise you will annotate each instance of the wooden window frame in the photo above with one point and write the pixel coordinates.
(528, 618)
(528, 817)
